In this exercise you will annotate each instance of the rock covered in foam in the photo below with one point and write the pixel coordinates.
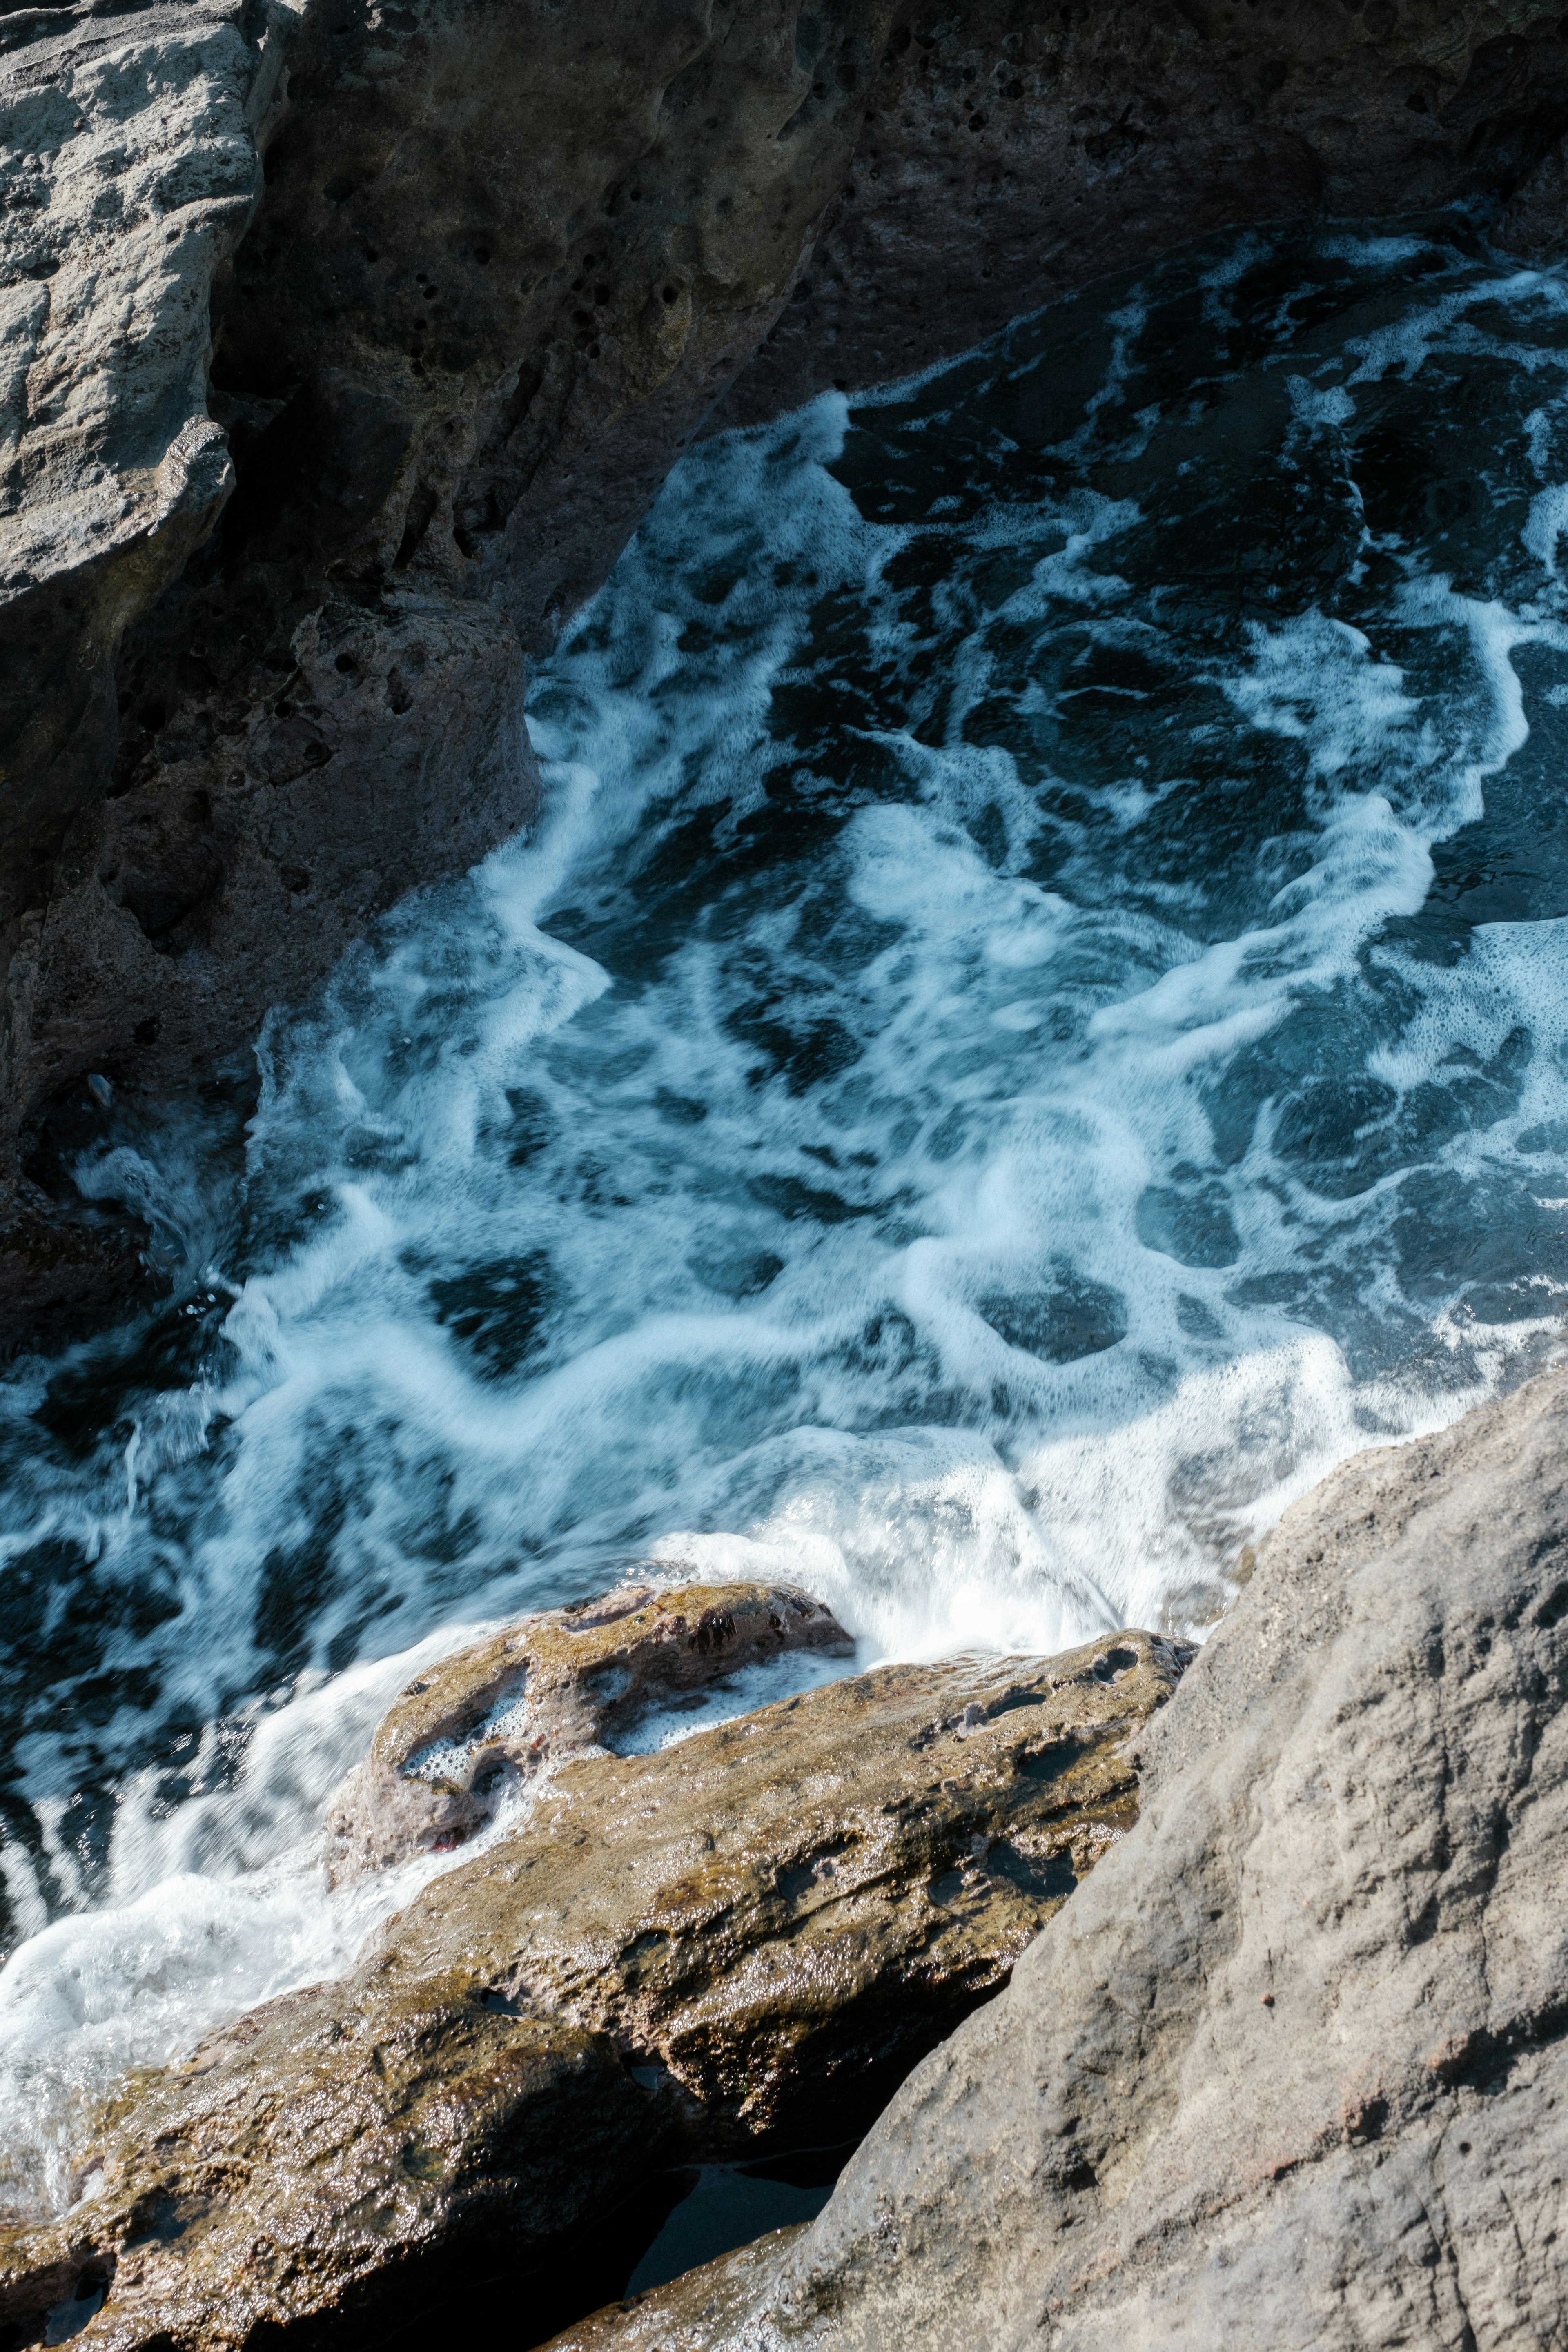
(561, 1682)
(1291, 2070)
(741, 1940)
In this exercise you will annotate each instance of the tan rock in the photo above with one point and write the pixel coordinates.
(538, 1692)
(779, 1913)
(744, 1937)
(1292, 2071)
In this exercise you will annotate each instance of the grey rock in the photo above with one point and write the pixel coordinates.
(1291, 2071)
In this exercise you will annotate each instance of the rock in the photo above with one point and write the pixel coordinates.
(711, 2306)
(778, 1913)
(504, 261)
(66, 1270)
(1533, 223)
(739, 1940)
(1291, 2069)
(471, 281)
(546, 1689)
(334, 2140)
(1011, 155)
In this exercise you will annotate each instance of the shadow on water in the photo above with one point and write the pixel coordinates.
(689, 2216)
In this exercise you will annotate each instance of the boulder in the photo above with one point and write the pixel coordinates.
(739, 1941)
(1291, 2069)
(775, 1916)
(569, 1679)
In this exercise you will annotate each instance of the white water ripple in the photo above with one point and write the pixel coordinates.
(1032, 1022)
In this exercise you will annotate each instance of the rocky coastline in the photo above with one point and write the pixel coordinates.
(1173, 2000)
(1230, 1989)
(346, 344)
(741, 1942)
(1290, 2069)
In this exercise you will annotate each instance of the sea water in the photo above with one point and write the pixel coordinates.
(1033, 1020)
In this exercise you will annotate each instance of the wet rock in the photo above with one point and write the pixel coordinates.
(326, 2143)
(1291, 2069)
(742, 1940)
(778, 1913)
(538, 1692)
(67, 1270)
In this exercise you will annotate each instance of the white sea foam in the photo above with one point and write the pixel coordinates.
(959, 1102)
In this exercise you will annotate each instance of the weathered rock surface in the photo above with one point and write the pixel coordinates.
(471, 276)
(744, 1937)
(505, 258)
(538, 1692)
(1012, 153)
(1291, 2070)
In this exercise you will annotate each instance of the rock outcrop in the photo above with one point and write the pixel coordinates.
(740, 1941)
(569, 1679)
(445, 290)
(1010, 154)
(1291, 2070)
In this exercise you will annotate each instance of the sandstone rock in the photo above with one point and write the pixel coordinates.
(545, 1690)
(478, 275)
(1291, 2071)
(330, 2141)
(779, 1913)
(729, 1942)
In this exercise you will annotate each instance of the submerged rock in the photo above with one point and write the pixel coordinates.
(1291, 2070)
(743, 1938)
(561, 1682)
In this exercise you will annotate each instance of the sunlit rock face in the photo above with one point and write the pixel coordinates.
(739, 1939)
(449, 288)
(490, 1720)
(1290, 2069)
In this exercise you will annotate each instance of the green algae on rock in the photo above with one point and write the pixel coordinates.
(545, 1689)
(711, 1947)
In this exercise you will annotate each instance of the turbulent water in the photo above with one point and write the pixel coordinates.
(1033, 1020)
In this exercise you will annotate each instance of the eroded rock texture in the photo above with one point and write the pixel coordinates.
(742, 1940)
(1291, 2070)
(1011, 153)
(505, 258)
(494, 1715)
(448, 285)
